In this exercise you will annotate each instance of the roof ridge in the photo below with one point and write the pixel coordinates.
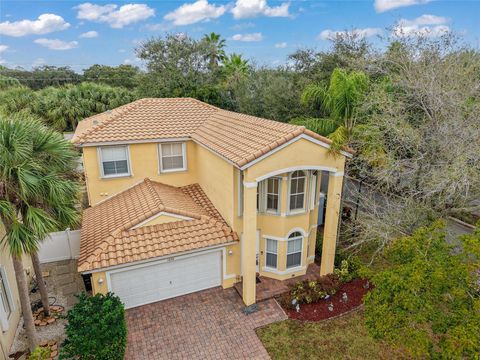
(121, 110)
(154, 193)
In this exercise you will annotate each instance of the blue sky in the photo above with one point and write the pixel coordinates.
(82, 33)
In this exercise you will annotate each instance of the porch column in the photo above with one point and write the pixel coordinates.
(332, 218)
(249, 242)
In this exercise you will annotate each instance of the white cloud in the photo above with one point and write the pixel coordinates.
(425, 25)
(366, 32)
(3, 48)
(56, 44)
(252, 8)
(248, 37)
(89, 35)
(243, 26)
(386, 5)
(46, 23)
(195, 12)
(116, 17)
(281, 45)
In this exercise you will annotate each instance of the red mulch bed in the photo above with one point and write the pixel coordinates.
(319, 311)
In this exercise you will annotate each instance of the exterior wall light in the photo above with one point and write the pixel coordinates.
(230, 252)
(100, 281)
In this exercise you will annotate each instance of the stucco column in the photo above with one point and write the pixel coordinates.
(332, 218)
(249, 242)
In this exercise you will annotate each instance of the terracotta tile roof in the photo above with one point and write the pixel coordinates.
(237, 137)
(107, 237)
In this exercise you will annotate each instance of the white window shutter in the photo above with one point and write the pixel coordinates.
(313, 183)
(262, 196)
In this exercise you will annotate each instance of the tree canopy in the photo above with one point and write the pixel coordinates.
(428, 300)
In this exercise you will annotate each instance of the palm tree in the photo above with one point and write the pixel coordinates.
(340, 101)
(38, 194)
(215, 52)
(235, 69)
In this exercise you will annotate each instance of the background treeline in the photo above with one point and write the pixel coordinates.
(410, 110)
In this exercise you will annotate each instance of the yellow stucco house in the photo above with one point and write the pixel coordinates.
(185, 196)
(10, 310)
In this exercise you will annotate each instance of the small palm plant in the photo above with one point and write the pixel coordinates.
(39, 193)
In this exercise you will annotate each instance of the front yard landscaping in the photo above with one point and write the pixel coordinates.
(345, 337)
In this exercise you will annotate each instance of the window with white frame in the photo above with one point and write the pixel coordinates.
(294, 250)
(271, 253)
(313, 189)
(6, 307)
(172, 157)
(297, 190)
(273, 194)
(114, 161)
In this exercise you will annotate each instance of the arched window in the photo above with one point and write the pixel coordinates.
(297, 190)
(294, 249)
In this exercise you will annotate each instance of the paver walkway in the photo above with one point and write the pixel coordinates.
(205, 325)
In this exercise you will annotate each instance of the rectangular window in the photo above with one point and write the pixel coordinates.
(271, 251)
(273, 194)
(313, 190)
(294, 252)
(5, 301)
(297, 190)
(172, 157)
(114, 161)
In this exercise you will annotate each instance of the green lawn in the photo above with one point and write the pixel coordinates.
(342, 338)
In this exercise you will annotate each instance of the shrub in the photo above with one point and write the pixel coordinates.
(40, 353)
(348, 269)
(307, 291)
(428, 298)
(96, 329)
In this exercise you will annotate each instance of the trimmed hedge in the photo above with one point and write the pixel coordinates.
(96, 329)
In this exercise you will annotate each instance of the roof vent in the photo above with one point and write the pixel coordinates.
(95, 122)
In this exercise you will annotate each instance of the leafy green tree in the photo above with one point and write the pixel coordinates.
(96, 329)
(215, 49)
(177, 66)
(43, 76)
(38, 194)
(123, 75)
(428, 299)
(340, 100)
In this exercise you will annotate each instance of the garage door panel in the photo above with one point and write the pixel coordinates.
(160, 281)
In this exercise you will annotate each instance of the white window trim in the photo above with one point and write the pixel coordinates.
(301, 238)
(279, 206)
(184, 155)
(313, 186)
(100, 158)
(302, 210)
(240, 193)
(4, 318)
(267, 252)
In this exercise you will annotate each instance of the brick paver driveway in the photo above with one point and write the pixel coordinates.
(204, 325)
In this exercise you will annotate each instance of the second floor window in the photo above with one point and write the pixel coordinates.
(114, 161)
(268, 195)
(273, 194)
(297, 190)
(172, 157)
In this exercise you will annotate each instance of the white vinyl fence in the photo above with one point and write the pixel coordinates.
(61, 245)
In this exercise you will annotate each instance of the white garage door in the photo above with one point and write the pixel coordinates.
(160, 281)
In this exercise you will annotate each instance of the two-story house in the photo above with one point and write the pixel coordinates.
(10, 310)
(186, 196)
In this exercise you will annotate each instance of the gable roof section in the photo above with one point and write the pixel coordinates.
(108, 237)
(238, 138)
